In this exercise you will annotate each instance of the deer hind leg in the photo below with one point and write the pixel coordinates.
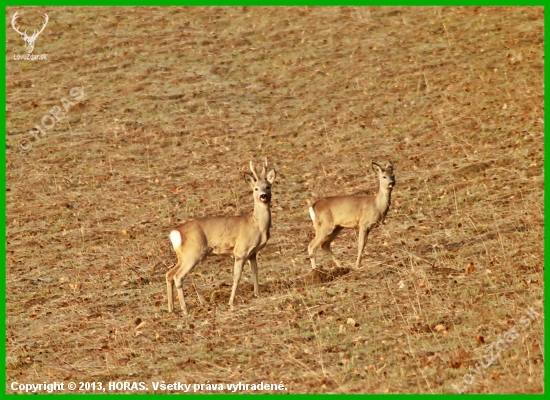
(170, 283)
(325, 246)
(254, 267)
(187, 266)
(311, 249)
(321, 235)
(237, 272)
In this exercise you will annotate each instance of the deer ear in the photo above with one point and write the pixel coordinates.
(249, 179)
(389, 167)
(376, 168)
(271, 176)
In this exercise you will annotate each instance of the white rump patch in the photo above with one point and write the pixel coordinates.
(312, 214)
(175, 238)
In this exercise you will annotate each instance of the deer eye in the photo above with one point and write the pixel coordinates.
(268, 187)
(256, 189)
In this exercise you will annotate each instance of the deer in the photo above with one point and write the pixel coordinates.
(29, 40)
(242, 236)
(332, 214)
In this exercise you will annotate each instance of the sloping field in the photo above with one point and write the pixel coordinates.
(176, 103)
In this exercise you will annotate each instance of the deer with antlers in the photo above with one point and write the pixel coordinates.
(243, 237)
(29, 40)
(332, 214)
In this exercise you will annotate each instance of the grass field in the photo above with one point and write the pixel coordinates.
(176, 103)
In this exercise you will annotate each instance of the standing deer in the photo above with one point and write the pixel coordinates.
(240, 236)
(332, 214)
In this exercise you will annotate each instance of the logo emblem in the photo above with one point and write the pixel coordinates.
(29, 40)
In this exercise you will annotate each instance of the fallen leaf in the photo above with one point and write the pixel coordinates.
(470, 268)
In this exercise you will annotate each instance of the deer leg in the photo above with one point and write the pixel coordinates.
(170, 286)
(254, 266)
(326, 244)
(320, 236)
(170, 282)
(363, 234)
(239, 262)
(180, 276)
(311, 249)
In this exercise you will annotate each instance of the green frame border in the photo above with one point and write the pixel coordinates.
(36, 3)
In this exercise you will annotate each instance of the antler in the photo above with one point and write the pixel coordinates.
(46, 19)
(24, 34)
(15, 27)
(264, 168)
(254, 172)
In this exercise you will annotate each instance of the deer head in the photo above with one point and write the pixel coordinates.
(261, 183)
(29, 40)
(387, 179)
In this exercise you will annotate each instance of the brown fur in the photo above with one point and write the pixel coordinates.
(241, 237)
(332, 214)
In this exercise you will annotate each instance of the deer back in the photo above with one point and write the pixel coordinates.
(346, 211)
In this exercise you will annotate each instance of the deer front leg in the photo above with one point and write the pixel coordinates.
(239, 262)
(363, 234)
(254, 267)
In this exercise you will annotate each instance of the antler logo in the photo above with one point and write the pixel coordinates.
(29, 40)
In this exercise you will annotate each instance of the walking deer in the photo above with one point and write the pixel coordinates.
(240, 236)
(332, 214)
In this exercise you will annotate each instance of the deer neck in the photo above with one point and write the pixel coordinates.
(262, 216)
(383, 199)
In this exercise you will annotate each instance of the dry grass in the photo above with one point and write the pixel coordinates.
(178, 100)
